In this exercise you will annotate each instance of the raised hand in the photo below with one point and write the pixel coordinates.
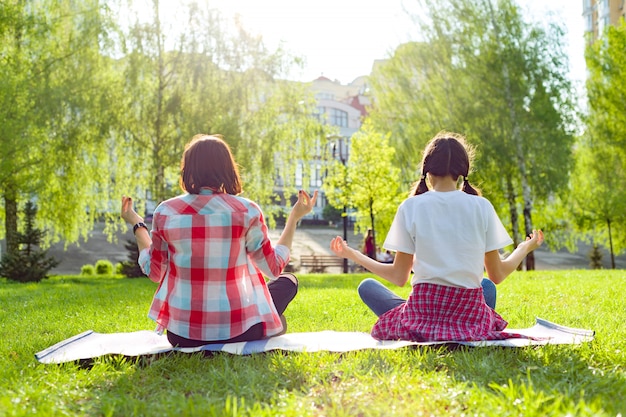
(304, 205)
(128, 213)
(340, 247)
(534, 240)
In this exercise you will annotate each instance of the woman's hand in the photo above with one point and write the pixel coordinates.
(533, 241)
(304, 205)
(128, 213)
(340, 247)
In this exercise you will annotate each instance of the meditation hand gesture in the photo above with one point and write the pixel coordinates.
(533, 241)
(340, 247)
(128, 213)
(304, 205)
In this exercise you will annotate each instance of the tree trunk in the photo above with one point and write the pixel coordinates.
(530, 259)
(608, 223)
(519, 150)
(10, 220)
(513, 214)
(159, 180)
(372, 222)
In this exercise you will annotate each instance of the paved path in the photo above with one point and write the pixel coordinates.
(306, 241)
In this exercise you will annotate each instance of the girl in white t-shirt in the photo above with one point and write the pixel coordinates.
(447, 237)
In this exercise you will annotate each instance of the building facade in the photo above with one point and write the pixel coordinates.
(343, 106)
(599, 14)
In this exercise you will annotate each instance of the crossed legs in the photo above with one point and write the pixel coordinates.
(380, 299)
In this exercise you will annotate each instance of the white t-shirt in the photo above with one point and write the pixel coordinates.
(449, 234)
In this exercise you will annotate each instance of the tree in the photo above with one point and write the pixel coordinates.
(54, 92)
(597, 203)
(28, 263)
(372, 186)
(484, 71)
(204, 79)
(606, 91)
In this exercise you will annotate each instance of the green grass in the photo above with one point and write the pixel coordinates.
(583, 380)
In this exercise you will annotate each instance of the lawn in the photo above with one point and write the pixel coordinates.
(582, 380)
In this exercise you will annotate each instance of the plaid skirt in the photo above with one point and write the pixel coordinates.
(441, 313)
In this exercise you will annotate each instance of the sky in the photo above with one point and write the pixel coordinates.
(340, 39)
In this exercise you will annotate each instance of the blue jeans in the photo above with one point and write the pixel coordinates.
(380, 299)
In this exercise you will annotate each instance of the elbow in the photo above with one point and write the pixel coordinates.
(497, 278)
(400, 280)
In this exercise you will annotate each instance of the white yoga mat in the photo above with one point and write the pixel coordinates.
(90, 344)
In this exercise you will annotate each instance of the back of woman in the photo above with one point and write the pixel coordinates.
(209, 251)
(201, 250)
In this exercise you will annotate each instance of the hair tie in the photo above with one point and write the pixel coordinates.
(424, 177)
(465, 179)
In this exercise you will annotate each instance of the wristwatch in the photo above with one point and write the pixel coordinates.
(138, 225)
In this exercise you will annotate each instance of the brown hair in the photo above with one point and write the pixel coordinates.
(447, 154)
(208, 162)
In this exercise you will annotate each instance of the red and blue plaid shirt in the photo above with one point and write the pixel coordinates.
(442, 313)
(209, 253)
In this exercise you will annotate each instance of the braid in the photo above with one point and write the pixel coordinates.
(468, 188)
(421, 187)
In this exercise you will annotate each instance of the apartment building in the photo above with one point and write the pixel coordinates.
(343, 106)
(598, 14)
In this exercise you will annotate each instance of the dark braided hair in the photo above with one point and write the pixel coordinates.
(446, 154)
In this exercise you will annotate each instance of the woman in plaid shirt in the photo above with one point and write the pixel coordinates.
(447, 237)
(209, 251)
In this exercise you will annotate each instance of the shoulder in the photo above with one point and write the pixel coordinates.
(240, 204)
(171, 204)
(482, 201)
(476, 199)
(416, 200)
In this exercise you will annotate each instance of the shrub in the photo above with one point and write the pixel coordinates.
(28, 263)
(130, 268)
(88, 270)
(104, 267)
(332, 214)
(595, 257)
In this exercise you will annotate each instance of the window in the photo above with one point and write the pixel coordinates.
(589, 23)
(338, 118)
(299, 174)
(325, 96)
(320, 114)
(316, 175)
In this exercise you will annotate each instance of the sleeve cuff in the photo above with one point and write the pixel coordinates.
(144, 261)
(283, 251)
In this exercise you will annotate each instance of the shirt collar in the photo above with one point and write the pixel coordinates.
(206, 191)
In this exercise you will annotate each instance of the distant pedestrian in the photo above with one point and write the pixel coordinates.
(369, 246)
(447, 236)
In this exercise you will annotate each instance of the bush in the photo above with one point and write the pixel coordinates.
(130, 268)
(88, 270)
(28, 263)
(104, 267)
(332, 214)
(595, 257)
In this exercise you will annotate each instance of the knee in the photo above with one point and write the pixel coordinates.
(291, 277)
(366, 286)
(488, 286)
(489, 292)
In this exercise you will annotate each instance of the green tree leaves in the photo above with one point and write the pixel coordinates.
(482, 70)
(598, 197)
